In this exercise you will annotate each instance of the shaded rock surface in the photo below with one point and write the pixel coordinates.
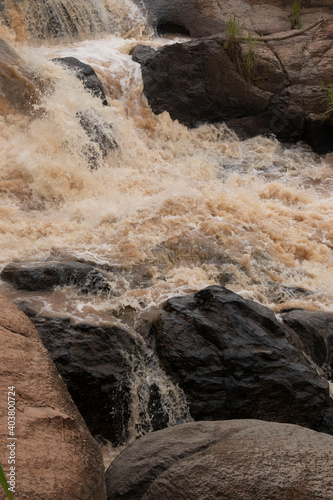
(233, 359)
(98, 365)
(239, 460)
(315, 332)
(44, 276)
(217, 92)
(201, 18)
(198, 82)
(56, 456)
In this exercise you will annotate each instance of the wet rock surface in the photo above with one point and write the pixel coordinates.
(86, 74)
(233, 359)
(315, 332)
(239, 460)
(217, 92)
(198, 82)
(44, 276)
(98, 365)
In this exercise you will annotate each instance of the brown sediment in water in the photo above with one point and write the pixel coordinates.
(184, 208)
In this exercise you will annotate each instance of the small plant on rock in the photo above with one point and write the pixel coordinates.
(252, 43)
(235, 37)
(327, 98)
(295, 16)
(234, 32)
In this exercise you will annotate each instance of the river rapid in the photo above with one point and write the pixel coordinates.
(167, 212)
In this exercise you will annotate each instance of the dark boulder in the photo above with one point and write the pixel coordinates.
(203, 81)
(315, 332)
(98, 365)
(233, 359)
(86, 74)
(100, 133)
(318, 133)
(44, 276)
(235, 460)
(112, 376)
(197, 82)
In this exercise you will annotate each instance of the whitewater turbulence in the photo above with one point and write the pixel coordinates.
(169, 210)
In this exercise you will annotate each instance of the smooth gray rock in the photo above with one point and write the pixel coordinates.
(234, 460)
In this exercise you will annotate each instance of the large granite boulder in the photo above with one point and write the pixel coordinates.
(237, 460)
(198, 81)
(234, 359)
(55, 455)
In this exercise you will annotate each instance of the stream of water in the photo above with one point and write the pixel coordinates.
(167, 212)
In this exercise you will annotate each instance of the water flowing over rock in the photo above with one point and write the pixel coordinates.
(233, 359)
(44, 276)
(55, 18)
(198, 82)
(56, 456)
(98, 130)
(85, 74)
(112, 378)
(17, 85)
(238, 460)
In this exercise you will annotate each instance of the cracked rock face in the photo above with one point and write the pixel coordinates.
(233, 359)
(197, 82)
(238, 460)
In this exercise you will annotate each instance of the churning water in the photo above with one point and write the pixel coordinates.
(170, 210)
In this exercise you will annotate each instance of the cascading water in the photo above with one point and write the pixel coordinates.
(170, 210)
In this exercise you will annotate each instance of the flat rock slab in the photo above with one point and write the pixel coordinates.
(234, 460)
(56, 456)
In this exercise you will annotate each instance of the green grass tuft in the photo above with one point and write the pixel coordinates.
(295, 16)
(4, 484)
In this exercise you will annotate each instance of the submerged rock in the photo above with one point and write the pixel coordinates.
(56, 456)
(238, 460)
(44, 276)
(233, 359)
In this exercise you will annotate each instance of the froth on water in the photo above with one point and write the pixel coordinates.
(170, 210)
